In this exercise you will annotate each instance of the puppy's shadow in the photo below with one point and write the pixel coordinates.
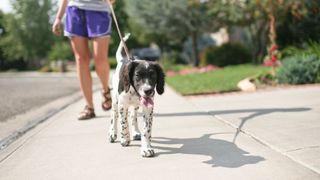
(222, 153)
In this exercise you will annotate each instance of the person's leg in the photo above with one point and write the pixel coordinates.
(100, 56)
(82, 56)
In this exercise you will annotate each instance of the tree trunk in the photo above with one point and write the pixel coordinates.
(272, 30)
(272, 24)
(258, 33)
(195, 51)
(262, 43)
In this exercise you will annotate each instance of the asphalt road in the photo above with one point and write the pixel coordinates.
(21, 92)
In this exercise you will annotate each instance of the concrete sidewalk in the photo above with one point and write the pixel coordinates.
(189, 142)
(287, 120)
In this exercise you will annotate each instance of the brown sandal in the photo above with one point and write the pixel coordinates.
(107, 101)
(87, 113)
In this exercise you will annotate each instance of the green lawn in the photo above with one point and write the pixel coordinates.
(224, 80)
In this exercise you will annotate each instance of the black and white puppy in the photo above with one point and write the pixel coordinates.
(134, 84)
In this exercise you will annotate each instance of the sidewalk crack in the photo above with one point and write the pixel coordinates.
(302, 148)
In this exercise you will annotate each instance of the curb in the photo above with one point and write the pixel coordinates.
(268, 89)
(35, 117)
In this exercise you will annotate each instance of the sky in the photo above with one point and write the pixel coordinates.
(5, 6)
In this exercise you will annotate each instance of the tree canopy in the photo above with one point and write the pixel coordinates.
(170, 20)
(28, 30)
(169, 23)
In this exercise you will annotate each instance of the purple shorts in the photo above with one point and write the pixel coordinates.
(86, 23)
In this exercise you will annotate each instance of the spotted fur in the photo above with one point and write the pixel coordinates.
(131, 82)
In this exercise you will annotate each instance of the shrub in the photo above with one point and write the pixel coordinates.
(60, 50)
(227, 54)
(266, 78)
(112, 62)
(300, 69)
(168, 65)
(314, 48)
(45, 68)
(18, 65)
(311, 48)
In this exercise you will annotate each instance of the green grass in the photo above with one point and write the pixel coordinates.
(174, 67)
(224, 80)
(112, 62)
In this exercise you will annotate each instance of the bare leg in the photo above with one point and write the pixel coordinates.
(82, 56)
(100, 56)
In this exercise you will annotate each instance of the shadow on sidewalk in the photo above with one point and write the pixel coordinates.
(222, 153)
(255, 113)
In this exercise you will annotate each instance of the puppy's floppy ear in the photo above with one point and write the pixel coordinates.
(160, 79)
(131, 66)
(126, 77)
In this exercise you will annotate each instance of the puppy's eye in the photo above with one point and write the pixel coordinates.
(152, 74)
(138, 75)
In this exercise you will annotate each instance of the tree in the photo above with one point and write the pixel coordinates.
(261, 17)
(298, 28)
(246, 14)
(2, 31)
(28, 30)
(60, 50)
(123, 23)
(170, 20)
(278, 11)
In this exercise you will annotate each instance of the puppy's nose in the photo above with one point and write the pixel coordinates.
(148, 92)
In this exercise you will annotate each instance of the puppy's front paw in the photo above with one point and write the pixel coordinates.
(125, 142)
(136, 137)
(147, 152)
(112, 137)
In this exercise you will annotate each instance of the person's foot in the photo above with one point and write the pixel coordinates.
(87, 113)
(107, 101)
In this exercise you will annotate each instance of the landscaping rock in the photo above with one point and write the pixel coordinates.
(246, 85)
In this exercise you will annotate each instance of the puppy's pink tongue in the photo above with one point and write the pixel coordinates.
(146, 101)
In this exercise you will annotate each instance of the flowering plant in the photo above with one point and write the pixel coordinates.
(273, 58)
